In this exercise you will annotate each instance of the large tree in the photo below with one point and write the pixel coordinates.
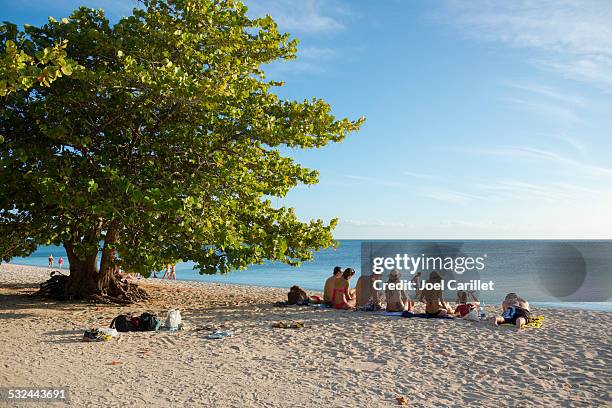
(164, 144)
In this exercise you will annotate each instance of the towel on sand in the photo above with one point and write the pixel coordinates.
(424, 316)
(535, 322)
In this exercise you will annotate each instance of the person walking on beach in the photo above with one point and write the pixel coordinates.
(51, 261)
(60, 262)
(170, 272)
(328, 289)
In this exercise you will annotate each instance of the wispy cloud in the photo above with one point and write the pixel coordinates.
(556, 192)
(316, 53)
(373, 180)
(306, 16)
(547, 92)
(546, 109)
(577, 144)
(520, 190)
(539, 154)
(420, 175)
(376, 223)
(571, 37)
(309, 60)
(450, 196)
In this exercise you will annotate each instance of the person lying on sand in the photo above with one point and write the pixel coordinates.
(512, 299)
(433, 298)
(328, 289)
(397, 300)
(464, 305)
(516, 311)
(343, 297)
(298, 296)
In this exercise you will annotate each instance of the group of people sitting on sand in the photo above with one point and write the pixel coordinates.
(338, 294)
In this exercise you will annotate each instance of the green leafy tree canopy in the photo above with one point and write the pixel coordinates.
(163, 144)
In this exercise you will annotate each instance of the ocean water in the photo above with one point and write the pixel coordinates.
(514, 266)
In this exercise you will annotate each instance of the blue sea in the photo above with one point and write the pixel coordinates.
(510, 264)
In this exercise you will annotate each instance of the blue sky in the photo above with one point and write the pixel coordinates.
(484, 119)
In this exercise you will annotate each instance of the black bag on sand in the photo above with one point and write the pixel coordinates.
(123, 323)
(148, 322)
(144, 322)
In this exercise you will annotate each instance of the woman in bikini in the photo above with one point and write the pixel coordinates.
(397, 300)
(343, 297)
(434, 302)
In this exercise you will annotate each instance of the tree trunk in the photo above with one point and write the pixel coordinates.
(87, 282)
(83, 274)
(108, 284)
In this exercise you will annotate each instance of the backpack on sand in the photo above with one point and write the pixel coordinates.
(148, 322)
(123, 323)
(144, 322)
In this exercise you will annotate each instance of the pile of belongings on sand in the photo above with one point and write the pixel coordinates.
(129, 323)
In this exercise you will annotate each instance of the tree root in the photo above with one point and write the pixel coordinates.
(120, 292)
(54, 287)
(125, 292)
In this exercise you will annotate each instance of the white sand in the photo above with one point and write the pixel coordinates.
(340, 358)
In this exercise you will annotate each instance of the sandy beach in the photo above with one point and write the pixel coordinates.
(341, 358)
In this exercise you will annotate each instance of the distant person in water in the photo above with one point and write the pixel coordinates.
(397, 300)
(60, 262)
(343, 297)
(328, 289)
(51, 261)
(434, 298)
(516, 311)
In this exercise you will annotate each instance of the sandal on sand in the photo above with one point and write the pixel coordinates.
(219, 334)
(297, 324)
